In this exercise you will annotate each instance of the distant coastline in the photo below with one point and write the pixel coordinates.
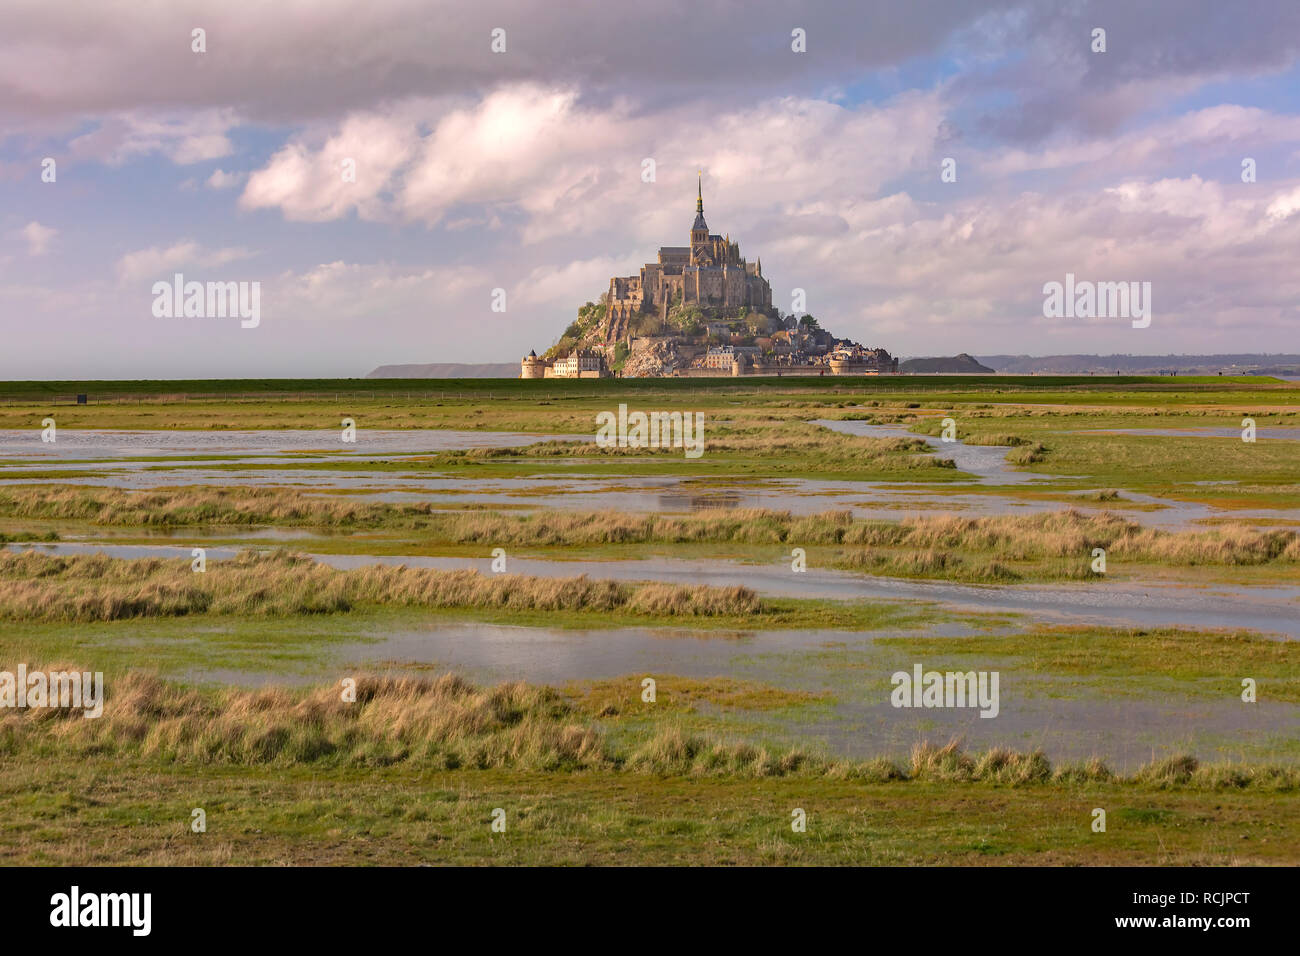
(1211, 364)
(448, 370)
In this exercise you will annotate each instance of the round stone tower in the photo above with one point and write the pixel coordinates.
(532, 366)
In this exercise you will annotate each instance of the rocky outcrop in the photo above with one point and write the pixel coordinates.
(653, 359)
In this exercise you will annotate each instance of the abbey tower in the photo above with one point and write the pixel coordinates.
(708, 272)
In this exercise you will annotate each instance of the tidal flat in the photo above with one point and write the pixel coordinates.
(828, 539)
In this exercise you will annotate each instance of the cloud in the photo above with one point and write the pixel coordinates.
(38, 237)
(564, 287)
(1214, 253)
(157, 263)
(220, 179)
(1026, 64)
(555, 166)
(182, 139)
(1285, 205)
(340, 291)
(347, 169)
(1156, 52)
(1213, 131)
(338, 56)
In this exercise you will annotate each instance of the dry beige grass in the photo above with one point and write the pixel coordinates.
(1066, 533)
(38, 587)
(771, 438)
(191, 506)
(1072, 532)
(448, 723)
(445, 723)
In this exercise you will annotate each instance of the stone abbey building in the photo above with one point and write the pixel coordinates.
(708, 272)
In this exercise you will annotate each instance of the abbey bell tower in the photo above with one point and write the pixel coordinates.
(708, 274)
(700, 229)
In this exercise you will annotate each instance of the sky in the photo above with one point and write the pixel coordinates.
(522, 168)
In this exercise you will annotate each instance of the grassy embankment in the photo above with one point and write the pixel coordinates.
(37, 587)
(413, 770)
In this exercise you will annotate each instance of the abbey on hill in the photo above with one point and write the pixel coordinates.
(700, 309)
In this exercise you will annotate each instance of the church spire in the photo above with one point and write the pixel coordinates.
(700, 224)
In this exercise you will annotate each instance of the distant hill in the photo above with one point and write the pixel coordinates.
(448, 370)
(1229, 364)
(948, 366)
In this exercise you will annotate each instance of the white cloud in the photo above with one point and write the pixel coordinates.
(338, 291)
(158, 263)
(565, 287)
(307, 182)
(220, 179)
(561, 168)
(1211, 131)
(184, 139)
(38, 237)
(1217, 260)
(1285, 205)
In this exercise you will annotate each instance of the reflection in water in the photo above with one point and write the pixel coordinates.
(686, 501)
